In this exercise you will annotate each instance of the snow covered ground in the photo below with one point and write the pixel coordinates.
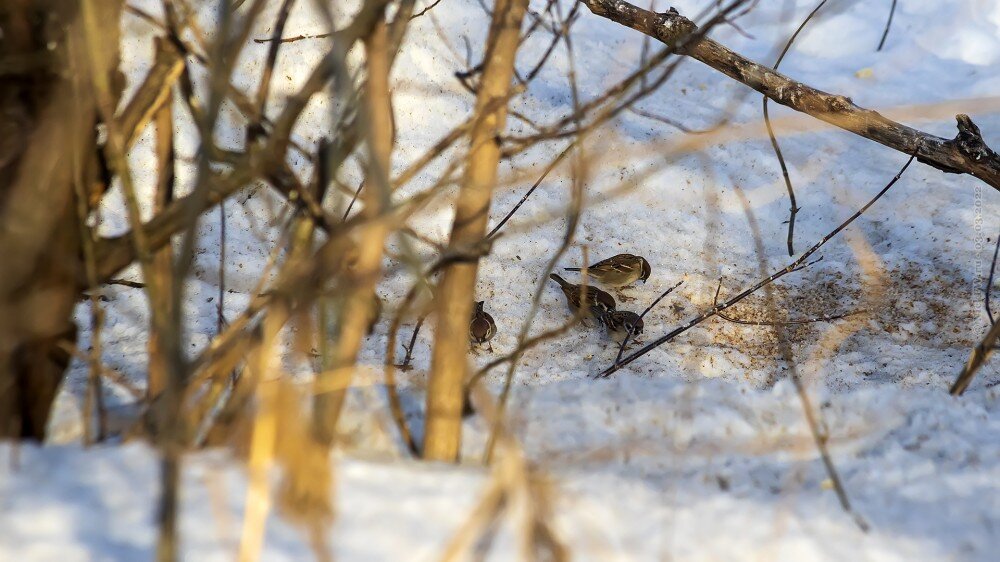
(694, 452)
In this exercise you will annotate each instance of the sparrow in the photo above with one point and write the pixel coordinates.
(619, 270)
(482, 328)
(593, 300)
(621, 323)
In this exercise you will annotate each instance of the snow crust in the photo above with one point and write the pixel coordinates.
(698, 451)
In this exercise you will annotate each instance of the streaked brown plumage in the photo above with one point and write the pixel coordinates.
(482, 328)
(619, 270)
(622, 322)
(594, 300)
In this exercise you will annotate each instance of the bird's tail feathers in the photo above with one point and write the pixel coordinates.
(555, 277)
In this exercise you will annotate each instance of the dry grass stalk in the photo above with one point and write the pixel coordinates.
(262, 367)
(517, 493)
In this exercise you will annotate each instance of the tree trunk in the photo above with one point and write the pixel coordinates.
(455, 292)
(47, 153)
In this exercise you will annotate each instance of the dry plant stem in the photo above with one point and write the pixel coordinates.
(352, 321)
(523, 342)
(253, 130)
(220, 307)
(389, 365)
(794, 266)
(454, 296)
(263, 441)
(668, 121)
(977, 359)
(213, 364)
(488, 509)
(226, 350)
(439, 148)
(562, 33)
(514, 490)
(116, 148)
(967, 153)
(163, 257)
(793, 207)
(820, 437)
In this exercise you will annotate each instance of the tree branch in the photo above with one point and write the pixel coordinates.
(967, 153)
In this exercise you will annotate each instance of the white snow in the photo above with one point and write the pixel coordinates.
(688, 454)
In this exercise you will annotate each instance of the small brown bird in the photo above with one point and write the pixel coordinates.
(621, 323)
(482, 328)
(619, 270)
(594, 300)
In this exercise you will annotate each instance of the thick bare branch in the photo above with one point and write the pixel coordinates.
(967, 153)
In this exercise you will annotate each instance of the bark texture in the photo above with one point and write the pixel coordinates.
(967, 153)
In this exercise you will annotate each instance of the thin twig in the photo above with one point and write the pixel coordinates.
(793, 208)
(628, 333)
(528, 344)
(824, 318)
(350, 206)
(668, 121)
(88, 237)
(220, 318)
(794, 266)
(413, 342)
(555, 162)
(425, 10)
(660, 298)
(127, 283)
(294, 39)
(272, 57)
(888, 24)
